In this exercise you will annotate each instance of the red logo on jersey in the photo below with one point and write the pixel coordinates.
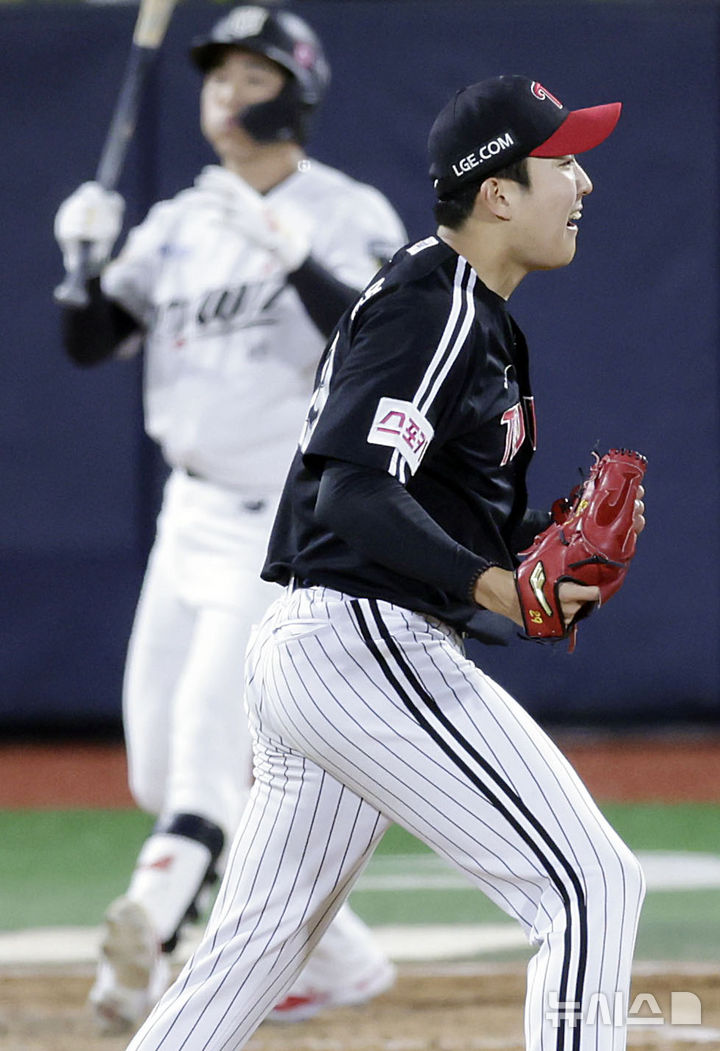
(514, 419)
(401, 426)
(542, 93)
(405, 427)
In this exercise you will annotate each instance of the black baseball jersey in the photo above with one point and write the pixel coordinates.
(425, 378)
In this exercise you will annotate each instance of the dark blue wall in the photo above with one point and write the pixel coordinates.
(625, 342)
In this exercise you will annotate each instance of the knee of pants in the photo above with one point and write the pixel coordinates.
(615, 875)
(607, 884)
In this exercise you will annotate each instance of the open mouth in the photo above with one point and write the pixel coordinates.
(574, 218)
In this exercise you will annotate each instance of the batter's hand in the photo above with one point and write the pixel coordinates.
(290, 237)
(278, 228)
(91, 214)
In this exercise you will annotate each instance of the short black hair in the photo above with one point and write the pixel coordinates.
(453, 209)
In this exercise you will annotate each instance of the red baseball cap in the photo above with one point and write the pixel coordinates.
(489, 125)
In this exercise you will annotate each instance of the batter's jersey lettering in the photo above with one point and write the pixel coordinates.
(231, 351)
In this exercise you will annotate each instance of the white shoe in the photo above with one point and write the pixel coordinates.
(132, 973)
(307, 998)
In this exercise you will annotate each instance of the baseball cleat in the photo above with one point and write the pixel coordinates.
(305, 1000)
(132, 973)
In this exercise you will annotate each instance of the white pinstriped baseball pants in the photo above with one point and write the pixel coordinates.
(366, 714)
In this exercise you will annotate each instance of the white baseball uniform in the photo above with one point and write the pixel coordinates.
(230, 353)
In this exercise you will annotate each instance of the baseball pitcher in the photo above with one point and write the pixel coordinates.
(404, 514)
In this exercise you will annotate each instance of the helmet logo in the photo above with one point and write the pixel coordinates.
(245, 22)
(304, 54)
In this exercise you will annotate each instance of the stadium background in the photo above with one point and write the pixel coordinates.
(625, 347)
(625, 341)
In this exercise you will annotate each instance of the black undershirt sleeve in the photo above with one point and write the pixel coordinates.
(93, 333)
(324, 296)
(373, 513)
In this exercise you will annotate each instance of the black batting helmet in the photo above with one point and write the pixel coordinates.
(287, 40)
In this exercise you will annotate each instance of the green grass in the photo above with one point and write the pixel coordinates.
(680, 926)
(643, 826)
(63, 867)
(682, 826)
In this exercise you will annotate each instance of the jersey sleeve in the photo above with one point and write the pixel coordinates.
(362, 232)
(131, 276)
(386, 380)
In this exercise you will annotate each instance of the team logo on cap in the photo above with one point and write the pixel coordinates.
(542, 93)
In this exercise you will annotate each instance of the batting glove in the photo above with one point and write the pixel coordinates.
(90, 214)
(279, 229)
(288, 236)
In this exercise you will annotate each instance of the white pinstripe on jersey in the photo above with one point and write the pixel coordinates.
(455, 333)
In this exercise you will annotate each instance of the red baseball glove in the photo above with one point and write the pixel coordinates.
(590, 541)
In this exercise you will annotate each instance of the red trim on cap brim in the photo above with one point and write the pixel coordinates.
(582, 130)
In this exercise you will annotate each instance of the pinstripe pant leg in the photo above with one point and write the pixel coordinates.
(302, 843)
(361, 709)
(389, 705)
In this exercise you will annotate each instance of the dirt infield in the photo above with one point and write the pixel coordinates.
(460, 1008)
(643, 768)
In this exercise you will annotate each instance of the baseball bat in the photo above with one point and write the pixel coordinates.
(150, 28)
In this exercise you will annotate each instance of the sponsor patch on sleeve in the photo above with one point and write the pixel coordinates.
(400, 425)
